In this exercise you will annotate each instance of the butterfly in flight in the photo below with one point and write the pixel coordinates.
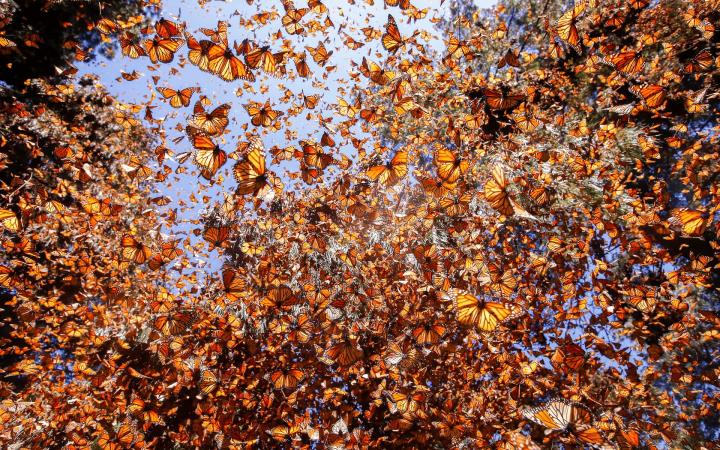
(570, 417)
(392, 171)
(392, 40)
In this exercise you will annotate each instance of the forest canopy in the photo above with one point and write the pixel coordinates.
(363, 224)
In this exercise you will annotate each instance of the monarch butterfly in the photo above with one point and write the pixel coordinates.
(500, 31)
(219, 35)
(281, 297)
(212, 123)
(515, 440)
(223, 63)
(134, 75)
(568, 357)
(402, 356)
(326, 140)
(486, 316)
(701, 62)
(371, 33)
(136, 168)
(502, 282)
(208, 382)
(208, 155)
(559, 414)
(319, 54)
(556, 50)
(233, 284)
(133, 250)
(405, 105)
(693, 222)
(9, 220)
(286, 379)
(97, 207)
(178, 98)
(496, 194)
(428, 334)
(282, 432)
(310, 101)
(351, 43)
(303, 330)
(173, 324)
(641, 298)
(627, 438)
(408, 405)
(168, 252)
(404, 4)
(524, 119)
(706, 28)
(166, 28)
(501, 98)
(450, 167)
(141, 409)
(628, 62)
(693, 102)
(373, 114)
(198, 54)
(283, 153)
(128, 435)
(344, 353)
(263, 57)
(301, 66)
(566, 25)
(262, 115)
(652, 95)
(639, 4)
(216, 235)
(437, 187)
(5, 276)
(376, 73)
(291, 20)
(162, 50)
(245, 47)
(391, 39)
(427, 257)
(399, 89)
(313, 155)
(391, 172)
(106, 26)
(541, 195)
(126, 119)
(457, 204)
(250, 174)
(162, 302)
(105, 442)
(317, 7)
(130, 46)
(475, 121)
(458, 48)
(510, 58)
(347, 109)
(416, 14)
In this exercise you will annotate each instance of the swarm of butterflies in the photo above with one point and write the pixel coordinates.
(509, 242)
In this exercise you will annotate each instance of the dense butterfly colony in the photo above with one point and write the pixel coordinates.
(509, 242)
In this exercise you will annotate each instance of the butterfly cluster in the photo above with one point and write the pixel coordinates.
(500, 233)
